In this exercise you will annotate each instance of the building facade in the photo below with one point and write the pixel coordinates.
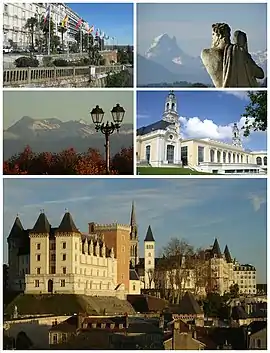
(63, 259)
(15, 17)
(211, 270)
(160, 144)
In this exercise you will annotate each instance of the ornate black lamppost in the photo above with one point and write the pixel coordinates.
(107, 129)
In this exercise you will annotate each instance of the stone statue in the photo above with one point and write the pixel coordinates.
(230, 64)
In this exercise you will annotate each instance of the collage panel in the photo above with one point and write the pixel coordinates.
(184, 270)
(222, 45)
(201, 133)
(74, 45)
(68, 132)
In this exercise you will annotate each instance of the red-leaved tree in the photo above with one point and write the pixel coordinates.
(68, 162)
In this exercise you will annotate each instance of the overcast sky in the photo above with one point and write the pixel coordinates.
(64, 105)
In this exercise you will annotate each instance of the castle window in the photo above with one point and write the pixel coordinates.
(36, 283)
(55, 339)
(38, 271)
(64, 245)
(53, 270)
(64, 257)
(38, 257)
(52, 257)
(52, 246)
(134, 287)
(38, 246)
(149, 254)
(149, 262)
(123, 249)
(64, 270)
(63, 283)
(64, 337)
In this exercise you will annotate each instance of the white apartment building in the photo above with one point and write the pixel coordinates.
(245, 277)
(161, 145)
(15, 16)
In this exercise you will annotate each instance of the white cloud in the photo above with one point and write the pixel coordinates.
(198, 128)
(257, 201)
(143, 116)
(243, 95)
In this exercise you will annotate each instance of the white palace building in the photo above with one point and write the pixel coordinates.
(160, 145)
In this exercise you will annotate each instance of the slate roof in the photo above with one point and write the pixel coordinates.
(187, 306)
(227, 255)
(159, 125)
(67, 224)
(17, 229)
(42, 225)
(216, 249)
(133, 275)
(149, 235)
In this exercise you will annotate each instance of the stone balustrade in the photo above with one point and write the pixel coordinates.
(33, 75)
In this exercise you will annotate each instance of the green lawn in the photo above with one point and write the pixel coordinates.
(168, 171)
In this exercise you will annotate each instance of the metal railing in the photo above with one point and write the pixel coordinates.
(30, 75)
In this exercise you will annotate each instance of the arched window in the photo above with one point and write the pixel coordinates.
(241, 158)
(218, 156)
(170, 154)
(149, 254)
(238, 158)
(233, 157)
(148, 153)
(212, 156)
(259, 161)
(167, 106)
(224, 157)
(173, 106)
(264, 160)
(229, 157)
(247, 159)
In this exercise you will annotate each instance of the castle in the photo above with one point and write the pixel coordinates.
(105, 262)
(160, 144)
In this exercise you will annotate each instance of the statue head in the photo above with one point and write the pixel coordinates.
(221, 34)
(240, 38)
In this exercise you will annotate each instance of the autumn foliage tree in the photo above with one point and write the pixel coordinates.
(68, 162)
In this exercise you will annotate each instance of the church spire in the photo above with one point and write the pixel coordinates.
(170, 109)
(236, 138)
(133, 224)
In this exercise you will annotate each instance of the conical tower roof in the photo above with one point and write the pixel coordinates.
(149, 235)
(216, 249)
(42, 225)
(17, 229)
(67, 224)
(227, 255)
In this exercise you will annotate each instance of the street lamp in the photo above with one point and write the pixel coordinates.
(107, 129)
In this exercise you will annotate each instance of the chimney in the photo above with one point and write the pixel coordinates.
(161, 321)
(126, 320)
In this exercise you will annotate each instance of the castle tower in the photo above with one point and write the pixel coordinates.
(236, 139)
(68, 247)
(229, 261)
(134, 240)
(170, 109)
(16, 240)
(149, 259)
(217, 269)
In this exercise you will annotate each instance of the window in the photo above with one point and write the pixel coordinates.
(218, 156)
(149, 262)
(258, 343)
(134, 287)
(63, 283)
(36, 283)
(212, 156)
(64, 245)
(265, 160)
(76, 246)
(38, 271)
(76, 257)
(38, 257)
(64, 337)
(184, 155)
(149, 254)
(224, 157)
(259, 161)
(200, 154)
(52, 257)
(64, 257)
(38, 246)
(148, 153)
(64, 270)
(52, 246)
(55, 339)
(170, 154)
(6, 9)
(123, 249)
(53, 270)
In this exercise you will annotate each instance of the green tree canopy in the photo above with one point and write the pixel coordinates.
(256, 112)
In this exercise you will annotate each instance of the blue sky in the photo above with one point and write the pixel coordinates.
(116, 20)
(198, 210)
(202, 114)
(191, 24)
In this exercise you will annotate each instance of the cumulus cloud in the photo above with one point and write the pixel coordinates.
(196, 127)
(257, 201)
